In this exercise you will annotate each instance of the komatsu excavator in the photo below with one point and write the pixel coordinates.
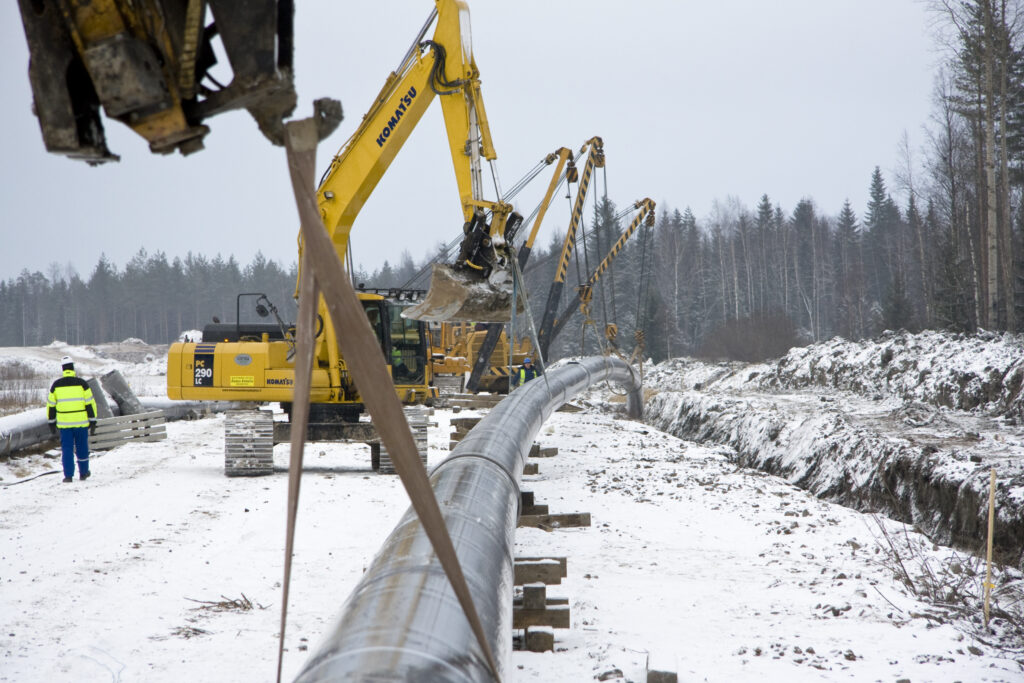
(244, 362)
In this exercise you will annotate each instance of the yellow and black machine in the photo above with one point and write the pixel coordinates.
(253, 361)
(147, 64)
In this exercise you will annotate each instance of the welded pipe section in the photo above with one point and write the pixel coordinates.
(402, 622)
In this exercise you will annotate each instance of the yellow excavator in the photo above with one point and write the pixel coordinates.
(252, 361)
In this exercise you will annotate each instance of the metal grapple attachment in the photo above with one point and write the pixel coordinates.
(460, 295)
(478, 288)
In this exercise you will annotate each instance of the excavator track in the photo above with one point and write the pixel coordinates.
(248, 443)
(419, 422)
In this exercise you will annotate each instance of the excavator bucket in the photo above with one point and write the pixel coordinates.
(462, 296)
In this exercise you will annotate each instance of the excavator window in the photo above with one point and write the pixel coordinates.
(408, 348)
(375, 314)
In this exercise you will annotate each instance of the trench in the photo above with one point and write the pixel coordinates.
(941, 486)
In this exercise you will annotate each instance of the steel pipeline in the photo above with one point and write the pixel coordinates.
(402, 621)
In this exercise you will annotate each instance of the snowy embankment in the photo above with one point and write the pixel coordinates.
(879, 426)
(982, 372)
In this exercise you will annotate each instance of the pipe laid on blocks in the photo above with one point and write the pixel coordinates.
(402, 621)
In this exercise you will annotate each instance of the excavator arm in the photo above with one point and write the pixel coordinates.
(443, 68)
(439, 68)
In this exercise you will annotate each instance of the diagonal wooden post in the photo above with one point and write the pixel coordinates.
(309, 294)
(367, 367)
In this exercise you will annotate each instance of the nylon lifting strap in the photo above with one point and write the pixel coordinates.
(361, 351)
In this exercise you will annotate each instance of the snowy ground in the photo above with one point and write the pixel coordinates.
(147, 571)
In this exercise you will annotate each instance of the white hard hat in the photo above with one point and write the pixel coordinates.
(66, 360)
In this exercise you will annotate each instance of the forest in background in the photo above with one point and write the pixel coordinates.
(937, 246)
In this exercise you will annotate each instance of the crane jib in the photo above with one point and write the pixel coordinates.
(399, 112)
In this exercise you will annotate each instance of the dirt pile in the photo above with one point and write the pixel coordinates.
(881, 426)
(984, 371)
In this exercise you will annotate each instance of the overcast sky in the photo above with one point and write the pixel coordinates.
(696, 102)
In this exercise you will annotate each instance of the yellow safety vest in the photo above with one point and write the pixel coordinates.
(70, 403)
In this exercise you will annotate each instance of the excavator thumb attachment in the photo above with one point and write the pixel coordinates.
(478, 288)
(460, 295)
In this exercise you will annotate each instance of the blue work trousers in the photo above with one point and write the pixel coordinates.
(74, 440)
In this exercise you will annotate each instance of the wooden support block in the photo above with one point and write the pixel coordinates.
(534, 450)
(563, 562)
(547, 571)
(550, 602)
(556, 616)
(452, 445)
(549, 522)
(531, 468)
(569, 408)
(528, 506)
(661, 667)
(538, 640)
(535, 596)
(546, 452)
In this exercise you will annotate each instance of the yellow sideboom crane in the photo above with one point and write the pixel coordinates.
(553, 324)
(254, 362)
(487, 377)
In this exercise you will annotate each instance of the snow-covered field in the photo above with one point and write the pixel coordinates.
(159, 568)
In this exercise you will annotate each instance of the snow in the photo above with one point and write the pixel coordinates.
(142, 572)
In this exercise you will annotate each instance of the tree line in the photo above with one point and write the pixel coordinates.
(937, 246)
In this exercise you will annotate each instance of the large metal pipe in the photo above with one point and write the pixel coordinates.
(402, 622)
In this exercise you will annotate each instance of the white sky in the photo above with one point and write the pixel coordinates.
(695, 101)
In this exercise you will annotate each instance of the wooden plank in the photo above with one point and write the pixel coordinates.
(556, 616)
(533, 510)
(138, 417)
(116, 431)
(157, 433)
(140, 428)
(563, 562)
(551, 602)
(108, 444)
(531, 468)
(548, 522)
(542, 571)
